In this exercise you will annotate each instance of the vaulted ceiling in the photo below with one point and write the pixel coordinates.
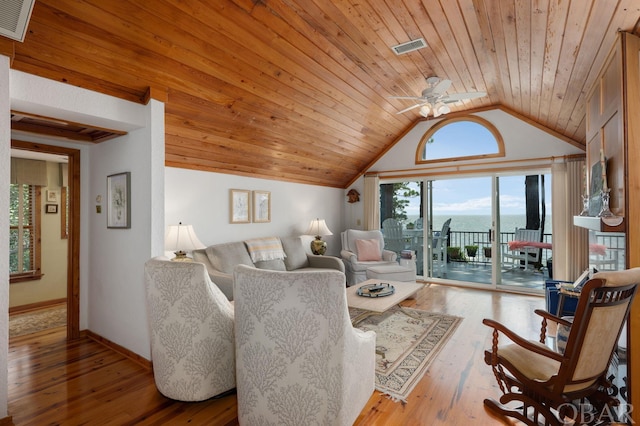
(299, 90)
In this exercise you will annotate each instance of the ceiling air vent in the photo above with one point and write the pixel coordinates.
(409, 46)
(14, 18)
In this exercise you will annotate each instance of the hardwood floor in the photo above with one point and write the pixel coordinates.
(52, 381)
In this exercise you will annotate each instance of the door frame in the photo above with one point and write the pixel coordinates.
(73, 246)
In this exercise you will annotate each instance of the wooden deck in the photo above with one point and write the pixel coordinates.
(52, 381)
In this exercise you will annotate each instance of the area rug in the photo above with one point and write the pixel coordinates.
(34, 321)
(407, 341)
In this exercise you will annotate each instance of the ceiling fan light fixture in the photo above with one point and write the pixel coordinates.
(441, 109)
(424, 110)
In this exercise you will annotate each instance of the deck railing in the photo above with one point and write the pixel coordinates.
(613, 260)
(462, 239)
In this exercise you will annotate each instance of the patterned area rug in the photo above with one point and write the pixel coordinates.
(42, 319)
(407, 341)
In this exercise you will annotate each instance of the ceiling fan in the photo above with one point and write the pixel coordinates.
(434, 100)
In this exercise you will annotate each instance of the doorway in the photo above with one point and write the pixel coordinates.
(72, 207)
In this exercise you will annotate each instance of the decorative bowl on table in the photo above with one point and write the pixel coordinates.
(376, 290)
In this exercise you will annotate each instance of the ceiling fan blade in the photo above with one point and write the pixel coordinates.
(455, 97)
(414, 98)
(410, 108)
(442, 86)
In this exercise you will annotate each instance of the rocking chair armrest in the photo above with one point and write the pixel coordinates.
(552, 317)
(524, 343)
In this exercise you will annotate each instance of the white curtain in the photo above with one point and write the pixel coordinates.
(371, 203)
(569, 241)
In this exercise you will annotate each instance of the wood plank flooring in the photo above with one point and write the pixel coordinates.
(52, 381)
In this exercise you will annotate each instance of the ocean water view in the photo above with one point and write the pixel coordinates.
(481, 223)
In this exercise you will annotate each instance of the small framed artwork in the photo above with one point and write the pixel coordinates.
(261, 206)
(52, 196)
(119, 200)
(51, 208)
(239, 206)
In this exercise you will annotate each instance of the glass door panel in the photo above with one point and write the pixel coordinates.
(401, 220)
(459, 217)
(523, 230)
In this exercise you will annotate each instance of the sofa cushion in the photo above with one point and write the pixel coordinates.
(368, 250)
(225, 257)
(261, 249)
(296, 255)
(273, 265)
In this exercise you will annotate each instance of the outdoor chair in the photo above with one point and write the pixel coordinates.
(440, 250)
(394, 238)
(540, 384)
(299, 359)
(523, 255)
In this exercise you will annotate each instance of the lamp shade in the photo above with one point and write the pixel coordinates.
(318, 227)
(181, 239)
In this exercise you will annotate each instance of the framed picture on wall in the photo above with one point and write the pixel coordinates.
(239, 206)
(51, 208)
(119, 200)
(52, 196)
(261, 206)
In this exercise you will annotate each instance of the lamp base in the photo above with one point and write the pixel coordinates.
(181, 256)
(318, 246)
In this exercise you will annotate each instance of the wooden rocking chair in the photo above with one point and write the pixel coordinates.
(547, 386)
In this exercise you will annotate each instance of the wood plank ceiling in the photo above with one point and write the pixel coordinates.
(298, 90)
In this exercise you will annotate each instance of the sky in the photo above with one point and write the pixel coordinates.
(472, 196)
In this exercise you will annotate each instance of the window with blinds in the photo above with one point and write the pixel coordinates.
(24, 239)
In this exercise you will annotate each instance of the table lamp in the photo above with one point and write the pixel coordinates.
(180, 239)
(318, 228)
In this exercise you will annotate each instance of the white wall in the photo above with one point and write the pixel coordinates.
(5, 167)
(201, 199)
(116, 289)
(522, 141)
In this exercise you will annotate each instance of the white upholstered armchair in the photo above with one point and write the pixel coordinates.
(191, 321)
(362, 250)
(299, 360)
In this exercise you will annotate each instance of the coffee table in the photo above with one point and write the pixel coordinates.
(404, 290)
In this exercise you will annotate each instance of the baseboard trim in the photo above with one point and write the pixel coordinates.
(6, 421)
(124, 351)
(35, 306)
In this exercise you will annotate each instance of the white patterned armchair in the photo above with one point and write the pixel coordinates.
(299, 360)
(191, 321)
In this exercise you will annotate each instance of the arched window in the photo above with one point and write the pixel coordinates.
(461, 138)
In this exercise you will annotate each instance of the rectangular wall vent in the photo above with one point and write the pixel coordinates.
(409, 46)
(14, 18)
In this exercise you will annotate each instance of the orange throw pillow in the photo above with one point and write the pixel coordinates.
(368, 250)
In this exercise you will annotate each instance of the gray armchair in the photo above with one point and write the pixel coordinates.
(354, 265)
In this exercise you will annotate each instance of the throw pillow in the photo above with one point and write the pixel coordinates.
(368, 250)
(296, 256)
(225, 257)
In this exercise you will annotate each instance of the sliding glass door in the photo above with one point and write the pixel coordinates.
(462, 229)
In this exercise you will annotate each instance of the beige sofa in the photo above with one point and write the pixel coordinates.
(221, 259)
